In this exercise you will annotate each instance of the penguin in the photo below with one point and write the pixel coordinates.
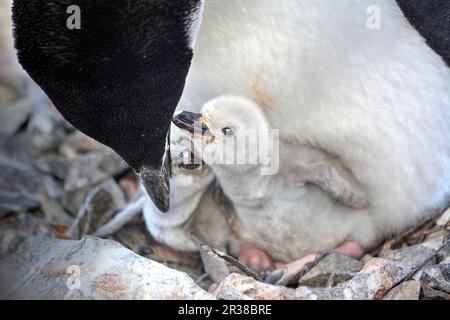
(117, 76)
(195, 216)
(310, 203)
(326, 76)
(375, 96)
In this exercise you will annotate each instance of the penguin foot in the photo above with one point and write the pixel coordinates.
(256, 259)
(291, 272)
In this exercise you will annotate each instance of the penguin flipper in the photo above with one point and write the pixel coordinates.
(432, 20)
(332, 182)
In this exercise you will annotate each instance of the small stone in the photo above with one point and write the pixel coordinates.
(234, 287)
(44, 132)
(10, 240)
(435, 282)
(13, 117)
(77, 143)
(239, 287)
(376, 278)
(16, 201)
(342, 268)
(89, 169)
(18, 185)
(444, 252)
(53, 211)
(91, 268)
(55, 165)
(412, 257)
(408, 290)
(444, 219)
(435, 240)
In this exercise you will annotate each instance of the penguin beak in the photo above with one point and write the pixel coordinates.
(157, 182)
(192, 122)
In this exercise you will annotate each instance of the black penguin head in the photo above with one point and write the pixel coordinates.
(119, 77)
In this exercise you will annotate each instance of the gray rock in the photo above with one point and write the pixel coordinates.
(18, 185)
(408, 290)
(44, 132)
(90, 269)
(91, 168)
(13, 117)
(444, 252)
(55, 165)
(77, 143)
(54, 212)
(340, 267)
(411, 258)
(16, 201)
(435, 282)
(10, 240)
(444, 219)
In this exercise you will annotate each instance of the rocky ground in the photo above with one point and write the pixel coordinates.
(57, 186)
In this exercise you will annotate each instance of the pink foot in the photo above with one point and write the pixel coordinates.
(255, 259)
(290, 272)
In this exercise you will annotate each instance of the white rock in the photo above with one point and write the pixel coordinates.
(444, 219)
(91, 268)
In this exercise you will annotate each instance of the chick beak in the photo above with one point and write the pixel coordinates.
(192, 122)
(156, 182)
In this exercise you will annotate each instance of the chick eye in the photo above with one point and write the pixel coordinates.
(227, 131)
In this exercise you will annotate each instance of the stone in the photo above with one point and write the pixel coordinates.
(444, 219)
(435, 282)
(44, 132)
(341, 267)
(10, 240)
(91, 268)
(408, 290)
(376, 278)
(92, 168)
(13, 117)
(55, 165)
(444, 252)
(411, 258)
(77, 143)
(54, 212)
(18, 185)
(240, 287)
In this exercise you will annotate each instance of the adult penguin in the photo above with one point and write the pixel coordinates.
(375, 96)
(117, 76)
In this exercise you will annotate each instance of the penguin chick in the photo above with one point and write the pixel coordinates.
(194, 217)
(190, 182)
(194, 214)
(289, 213)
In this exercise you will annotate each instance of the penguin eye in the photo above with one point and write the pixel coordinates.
(227, 131)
